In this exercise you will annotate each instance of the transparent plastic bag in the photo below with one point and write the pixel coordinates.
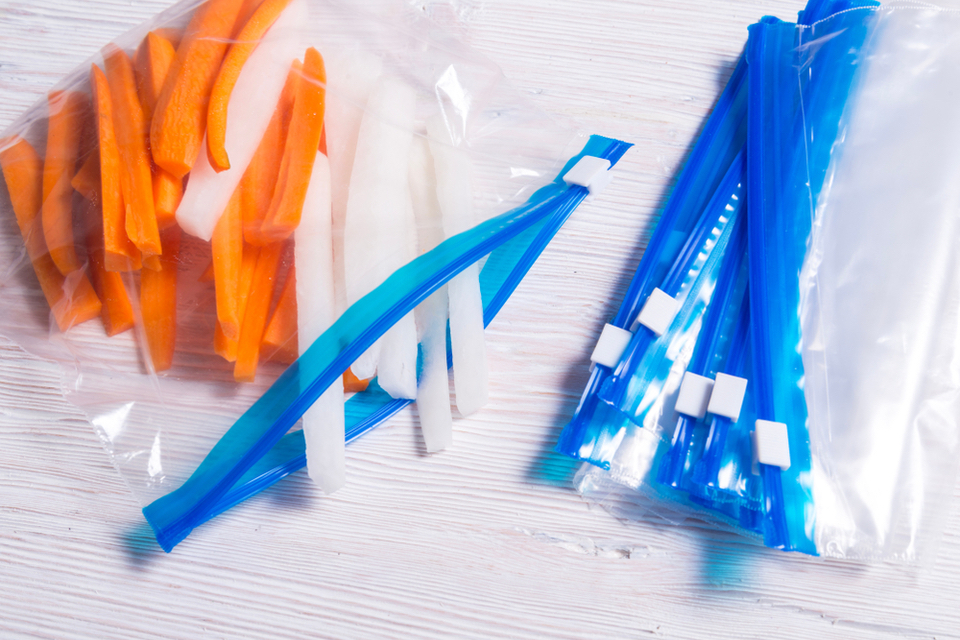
(881, 292)
(393, 86)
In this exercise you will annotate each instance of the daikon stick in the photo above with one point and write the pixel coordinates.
(350, 79)
(455, 194)
(433, 394)
(250, 108)
(323, 423)
(377, 223)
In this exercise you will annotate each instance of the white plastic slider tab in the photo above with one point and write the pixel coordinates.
(727, 397)
(611, 345)
(590, 172)
(771, 444)
(658, 312)
(694, 396)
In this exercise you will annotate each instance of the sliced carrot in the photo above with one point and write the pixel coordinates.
(136, 182)
(116, 312)
(353, 384)
(280, 338)
(167, 193)
(323, 142)
(255, 314)
(158, 302)
(171, 35)
(227, 246)
(87, 180)
(154, 57)
(248, 38)
(260, 178)
(303, 140)
(223, 345)
(63, 144)
(180, 117)
(71, 299)
(120, 254)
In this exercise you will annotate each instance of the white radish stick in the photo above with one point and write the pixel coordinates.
(433, 394)
(350, 79)
(323, 423)
(249, 111)
(377, 223)
(455, 195)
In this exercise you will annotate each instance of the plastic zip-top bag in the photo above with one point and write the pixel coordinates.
(249, 212)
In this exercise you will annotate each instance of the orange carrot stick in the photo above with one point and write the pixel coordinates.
(223, 345)
(72, 300)
(116, 312)
(303, 139)
(158, 302)
(280, 338)
(87, 180)
(155, 55)
(247, 40)
(120, 254)
(180, 117)
(154, 58)
(167, 193)
(171, 35)
(227, 245)
(63, 143)
(255, 314)
(353, 384)
(136, 182)
(260, 178)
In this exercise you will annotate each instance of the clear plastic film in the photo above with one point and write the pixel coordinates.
(881, 290)
(315, 151)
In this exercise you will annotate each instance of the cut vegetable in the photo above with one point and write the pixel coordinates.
(260, 179)
(72, 300)
(179, 120)
(280, 338)
(224, 346)
(433, 393)
(63, 143)
(167, 193)
(254, 29)
(350, 79)
(120, 254)
(158, 303)
(323, 423)
(377, 184)
(117, 311)
(455, 195)
(87, 180)
(227, 247)
(136, 182)
(251, 107)
(154, 58)
(255, 313)
(299, 152)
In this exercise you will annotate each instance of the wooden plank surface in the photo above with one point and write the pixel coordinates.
(486, 540)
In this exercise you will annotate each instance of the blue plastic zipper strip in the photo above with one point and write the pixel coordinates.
(600, 437)
(723, 137)
(214, 487)
(777, 241)
(620, 389)
(674, 466)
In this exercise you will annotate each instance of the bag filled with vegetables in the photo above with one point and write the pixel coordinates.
(251, 216)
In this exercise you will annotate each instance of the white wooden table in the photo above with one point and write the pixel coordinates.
(486, 540)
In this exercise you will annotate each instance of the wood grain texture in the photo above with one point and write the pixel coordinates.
(486, 540)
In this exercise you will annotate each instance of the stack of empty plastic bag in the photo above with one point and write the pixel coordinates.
(785, 359)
